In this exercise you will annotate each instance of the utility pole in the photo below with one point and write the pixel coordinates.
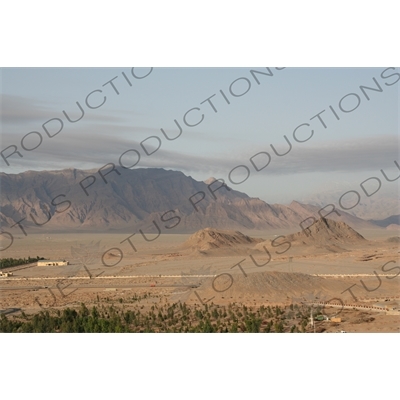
(312, 318)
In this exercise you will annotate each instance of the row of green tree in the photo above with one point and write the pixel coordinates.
(13, 262)
(177, 317)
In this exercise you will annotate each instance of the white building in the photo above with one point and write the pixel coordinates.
(49, 263)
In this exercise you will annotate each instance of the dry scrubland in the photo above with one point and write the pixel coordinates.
(181, 269)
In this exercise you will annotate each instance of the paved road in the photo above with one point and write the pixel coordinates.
(349, 306)
(105, 277)
(167, 276)
(105, 286)
(350, 275)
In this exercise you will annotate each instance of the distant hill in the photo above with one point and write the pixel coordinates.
(213, 239)
(349, 219)
(393, 219)
(393, 227)
(393, 239)
(377, 207)
(133, 199)
(324, 234)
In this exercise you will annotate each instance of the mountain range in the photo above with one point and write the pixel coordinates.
(143, 198)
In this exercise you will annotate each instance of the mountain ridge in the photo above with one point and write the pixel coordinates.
(135, 199)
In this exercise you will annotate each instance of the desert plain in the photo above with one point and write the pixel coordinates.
(348, 275)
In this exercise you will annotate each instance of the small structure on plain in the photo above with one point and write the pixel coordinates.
(49, 263)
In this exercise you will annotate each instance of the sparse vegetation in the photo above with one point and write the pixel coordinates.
(13, 262)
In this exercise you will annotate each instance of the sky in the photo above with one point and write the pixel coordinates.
(237, 124)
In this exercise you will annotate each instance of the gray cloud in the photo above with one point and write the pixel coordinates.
(339, 156)
(98, 145)
(371, 153)
(28, 114)
(17, 109)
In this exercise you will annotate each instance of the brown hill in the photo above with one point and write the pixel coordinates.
(393, 239)
(393, 227)
(327, 233)
(271, 286)
(279, 287)
(324, 234)
(213, 239)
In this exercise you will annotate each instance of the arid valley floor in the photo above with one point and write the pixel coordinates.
(357, 281)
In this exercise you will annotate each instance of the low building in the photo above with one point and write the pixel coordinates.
(49, 263)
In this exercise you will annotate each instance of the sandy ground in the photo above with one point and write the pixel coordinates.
(43, 287)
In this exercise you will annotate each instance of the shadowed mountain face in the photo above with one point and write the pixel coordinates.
(129, 200)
